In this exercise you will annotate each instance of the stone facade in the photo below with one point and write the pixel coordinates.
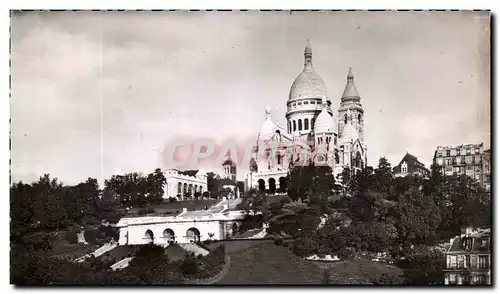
(215, 223)
(468, 259)
(312, 134)
(470, 160)
(183, 185)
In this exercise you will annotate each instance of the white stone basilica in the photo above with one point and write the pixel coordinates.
(312, 130)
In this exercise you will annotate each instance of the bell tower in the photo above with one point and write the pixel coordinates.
(351, 101)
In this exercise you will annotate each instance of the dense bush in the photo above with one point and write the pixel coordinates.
(146, 210)
(101, 235)
(189, 267)
(71, 235)
(251, 222)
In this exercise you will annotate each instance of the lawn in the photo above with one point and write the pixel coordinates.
(237, 245)
(266, 263)
(359, 271)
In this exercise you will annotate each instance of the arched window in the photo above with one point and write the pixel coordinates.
(300, 125)
(306, 124)
(345, 118)
(179, 188)
(312, 123)
(289, 127)
(294, 126)
(359, 117)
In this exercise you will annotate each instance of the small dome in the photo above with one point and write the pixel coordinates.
(348, 133)
(268, 127)
(324, 122)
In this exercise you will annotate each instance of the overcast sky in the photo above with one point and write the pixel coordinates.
(145, 78)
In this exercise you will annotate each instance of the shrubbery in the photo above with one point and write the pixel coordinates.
(101, 235)
(146, 210)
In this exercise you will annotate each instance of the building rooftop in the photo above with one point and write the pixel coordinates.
(460, 146)
(477, 241)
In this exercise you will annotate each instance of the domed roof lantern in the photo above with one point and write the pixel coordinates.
(308, 52)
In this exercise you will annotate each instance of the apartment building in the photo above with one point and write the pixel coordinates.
(469, 159)
(468, 258)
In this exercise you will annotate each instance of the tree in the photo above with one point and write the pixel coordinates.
(463, 201)
(295, 217)
(255, 203)
(213, 185)
(384, 178)
(423, 266)
(417, 218)
(155, 183)
(300, 182)
(49, 206)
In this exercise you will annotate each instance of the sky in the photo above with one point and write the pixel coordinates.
(99, 93)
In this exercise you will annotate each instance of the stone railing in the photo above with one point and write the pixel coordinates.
(214, 279)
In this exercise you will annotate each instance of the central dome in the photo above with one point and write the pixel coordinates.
(308, 84)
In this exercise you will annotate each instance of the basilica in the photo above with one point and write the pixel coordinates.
(312, 129)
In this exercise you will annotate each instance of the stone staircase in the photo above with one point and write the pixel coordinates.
(122, 263)
(100, 251)
(191, 247)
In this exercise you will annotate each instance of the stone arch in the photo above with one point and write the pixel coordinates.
(190, 189)
(179, 188)
(300, 124)
(360, 117)
(272, 185)
(169, 235)
(149, 236)
(262, 185)
(185, 190)
(195, 188)
(306, 124)
(193, 234)
(283, 184)
(294, 126)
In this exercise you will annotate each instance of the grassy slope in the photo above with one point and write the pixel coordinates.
(359, 271)
(267, 263)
